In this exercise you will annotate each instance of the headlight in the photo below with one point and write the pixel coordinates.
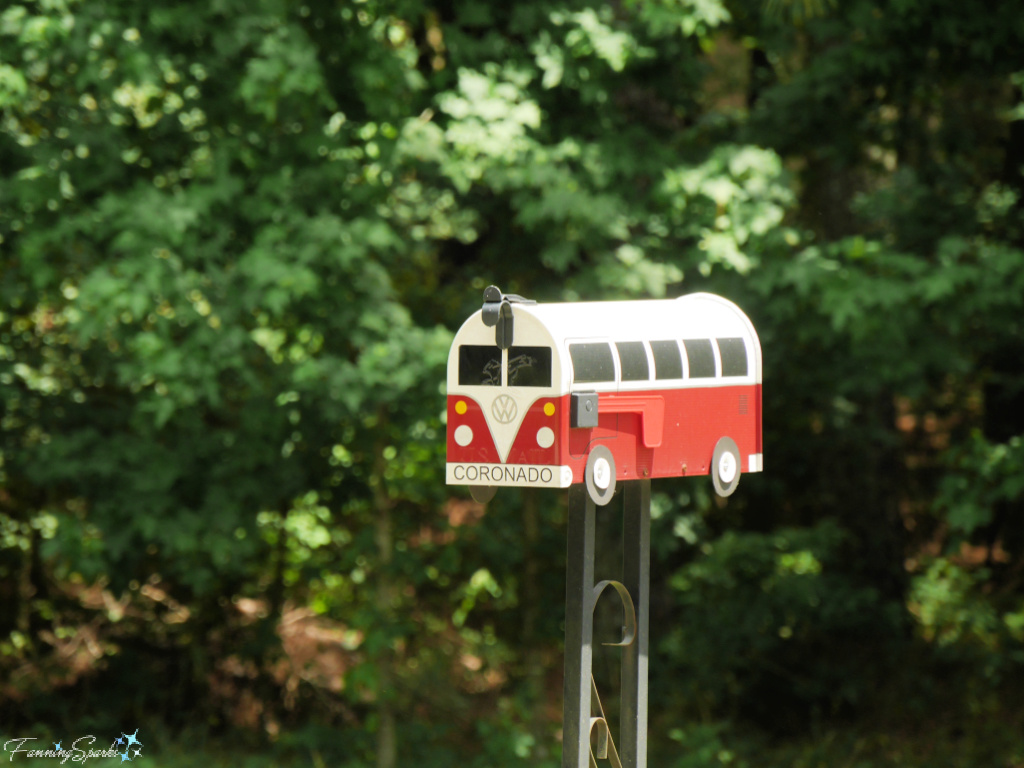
(545, 437)
(463, 435)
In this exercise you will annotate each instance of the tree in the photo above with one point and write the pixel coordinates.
(236, 238)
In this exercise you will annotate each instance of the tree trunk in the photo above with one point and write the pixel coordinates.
(387, 737)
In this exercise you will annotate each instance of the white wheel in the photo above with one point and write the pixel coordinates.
(600, 475)
(725, 466)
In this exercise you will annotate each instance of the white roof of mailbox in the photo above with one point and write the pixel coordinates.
(558, 325)
(695, 316)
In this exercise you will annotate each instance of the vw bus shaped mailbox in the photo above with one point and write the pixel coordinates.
(547, 395)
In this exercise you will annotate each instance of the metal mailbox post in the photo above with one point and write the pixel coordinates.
(586, 396)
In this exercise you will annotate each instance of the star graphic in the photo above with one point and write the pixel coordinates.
(132, 739)
(125, 757)
(138, 751)
(57, 746)
(119, 740)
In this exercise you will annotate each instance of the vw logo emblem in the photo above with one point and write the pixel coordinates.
(503, 409)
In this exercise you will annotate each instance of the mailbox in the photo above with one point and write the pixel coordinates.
(548, 395)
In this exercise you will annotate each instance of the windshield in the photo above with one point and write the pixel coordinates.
(529, 367)
(480, 366)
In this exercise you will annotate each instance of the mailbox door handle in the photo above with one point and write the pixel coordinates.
(583, 410)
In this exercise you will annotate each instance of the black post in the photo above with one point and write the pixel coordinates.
(580, 597)
(636, 576)
(579, 629)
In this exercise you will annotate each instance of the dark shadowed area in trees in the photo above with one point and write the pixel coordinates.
(235, 241)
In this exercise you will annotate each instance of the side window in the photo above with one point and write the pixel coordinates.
(529, 367)
(700, 357)
(667, 362)
(734, 357)
(591, 362)
(633, 358)
(479, 366)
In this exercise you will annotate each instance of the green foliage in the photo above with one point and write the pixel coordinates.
(983, 476)
(702, 745)
(759, 610)
(948, 607)
(235, 239)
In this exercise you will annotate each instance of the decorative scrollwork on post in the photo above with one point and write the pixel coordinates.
(605, 749)
(628, 611)
(602, 745)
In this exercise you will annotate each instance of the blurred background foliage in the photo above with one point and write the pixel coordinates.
(236, 239)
